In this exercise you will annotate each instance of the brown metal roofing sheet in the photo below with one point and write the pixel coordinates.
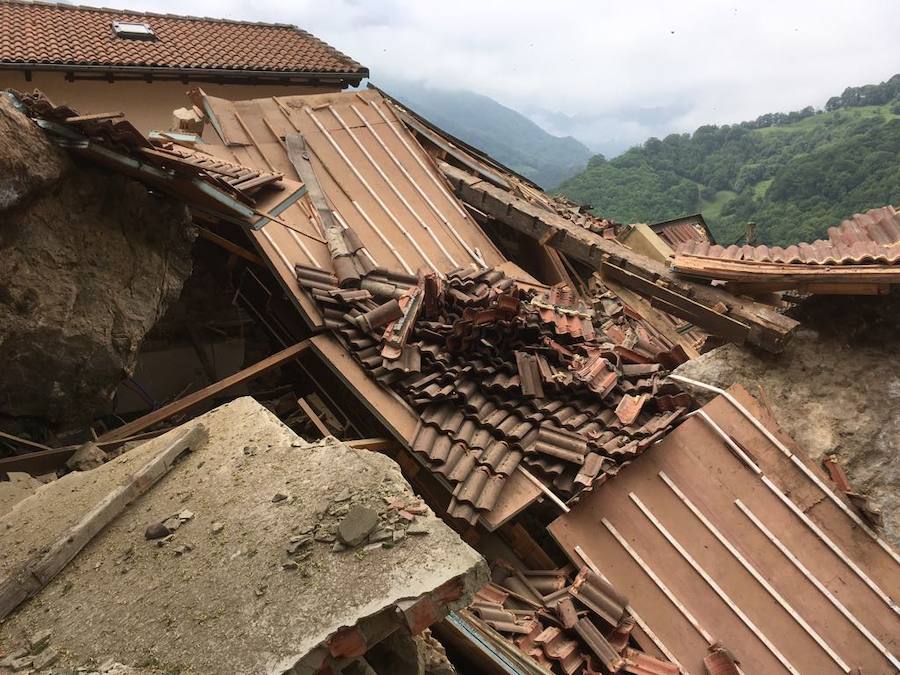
(866, 238)
(61, 34)
(629, 527)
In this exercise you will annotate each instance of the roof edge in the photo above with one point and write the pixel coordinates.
(356, 76)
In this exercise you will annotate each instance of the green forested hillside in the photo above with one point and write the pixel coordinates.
(503, 133)
(793, 174)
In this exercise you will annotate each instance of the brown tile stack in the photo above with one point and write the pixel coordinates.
(504, 378)
(568, 625)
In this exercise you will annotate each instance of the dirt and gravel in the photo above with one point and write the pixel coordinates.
(253, 574)
(835, 390)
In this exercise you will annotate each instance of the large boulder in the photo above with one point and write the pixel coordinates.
(835, 390)
(89, 261)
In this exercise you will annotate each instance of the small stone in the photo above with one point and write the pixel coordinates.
(301, 538)
(217, 527)
(290, 565)
(324, 537)
(181, 550)
(21, 664)
(380, 534)
(260, 591)
(249, 450)
(278, 497)
(45, 659)
(406, 515)
(156, 531)
(172, 523)
(417, 529)
(298, 444)
(399, 535)
(39, 640)
(338, 547)
(343, 495)
(357, 525)
(165, 540)
(12, 656)
(186, 515)
(371, 547)
(338, 510)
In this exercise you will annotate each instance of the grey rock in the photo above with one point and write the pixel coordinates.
(172, 524)
(356, 525)
(88, 456)
(157, 531)
(45, 659)
(338, 547)
(12, 656)
(39, 640)
(21, 664)
(417, 528)
(398, 535)
(217, 527)
(343, 495)
(278, 497)
(371, 547)
(381, 534)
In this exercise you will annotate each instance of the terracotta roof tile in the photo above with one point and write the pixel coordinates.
(57, 34)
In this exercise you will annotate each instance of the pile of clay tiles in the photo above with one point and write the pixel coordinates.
(503, 378)
(568, 625)
(107, 137)
(866, 238)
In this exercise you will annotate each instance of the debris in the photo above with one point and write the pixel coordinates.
(88, 456)
(417, 528)
(45, 659)
(23, 663)
(279, 497)
(39, 640)
(217, 527)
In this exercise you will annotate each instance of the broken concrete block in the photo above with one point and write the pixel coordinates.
(187, 119)
(357, 525)
(88, 456)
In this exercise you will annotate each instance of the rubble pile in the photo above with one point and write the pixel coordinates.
(502, 376)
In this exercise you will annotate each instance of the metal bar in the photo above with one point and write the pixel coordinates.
(372, 192)
(434, 207)
(543, 488)
(394, 188)
(798, 462)
(713, 585)
(431, 171)
(785, 605)
(831, 545)
(281, 207)
(628, 608)
(875, 642)
(659, 583)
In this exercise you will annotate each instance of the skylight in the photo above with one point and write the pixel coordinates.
(133, 31)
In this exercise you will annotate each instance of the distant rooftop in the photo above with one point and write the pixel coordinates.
(50, 36)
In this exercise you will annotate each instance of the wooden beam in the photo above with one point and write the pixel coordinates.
(313, 417)
(186, 403)
(375, 444)
(24, 441)
(39, 462)
(230, 246)
(711, 308)
(26, 581)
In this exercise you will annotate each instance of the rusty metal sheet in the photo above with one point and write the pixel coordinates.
(628, 525)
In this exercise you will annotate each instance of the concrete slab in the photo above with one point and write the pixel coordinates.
(245, 584)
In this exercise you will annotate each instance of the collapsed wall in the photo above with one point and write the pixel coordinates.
(89, 261)
(836, 386)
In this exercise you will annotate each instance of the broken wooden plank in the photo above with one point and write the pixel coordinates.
(186, 403)
(230, 246)
(27, 580)
(765, 326)
(24, 441)
(313, 417)
(94, 117)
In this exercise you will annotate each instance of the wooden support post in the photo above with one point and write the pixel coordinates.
(187, 402)
(25, 581)
(313, 417)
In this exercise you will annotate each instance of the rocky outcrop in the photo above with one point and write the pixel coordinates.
(835, 390)
(89, 261)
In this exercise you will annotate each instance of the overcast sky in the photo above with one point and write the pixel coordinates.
(611, 73)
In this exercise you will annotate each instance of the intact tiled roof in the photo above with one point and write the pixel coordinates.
(56, 35)
(871, 237)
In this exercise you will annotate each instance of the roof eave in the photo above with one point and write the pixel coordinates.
(351, 78)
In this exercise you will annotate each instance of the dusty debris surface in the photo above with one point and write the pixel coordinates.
(249, 579)
(87, 266)
(836, 387)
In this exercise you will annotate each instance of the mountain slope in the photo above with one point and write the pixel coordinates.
(793, 174)
(503, 133)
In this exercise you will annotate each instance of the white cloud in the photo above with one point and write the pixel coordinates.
(711, 61)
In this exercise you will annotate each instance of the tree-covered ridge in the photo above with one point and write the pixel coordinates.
(794, 174)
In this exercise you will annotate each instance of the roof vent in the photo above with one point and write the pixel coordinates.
(133, 31)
